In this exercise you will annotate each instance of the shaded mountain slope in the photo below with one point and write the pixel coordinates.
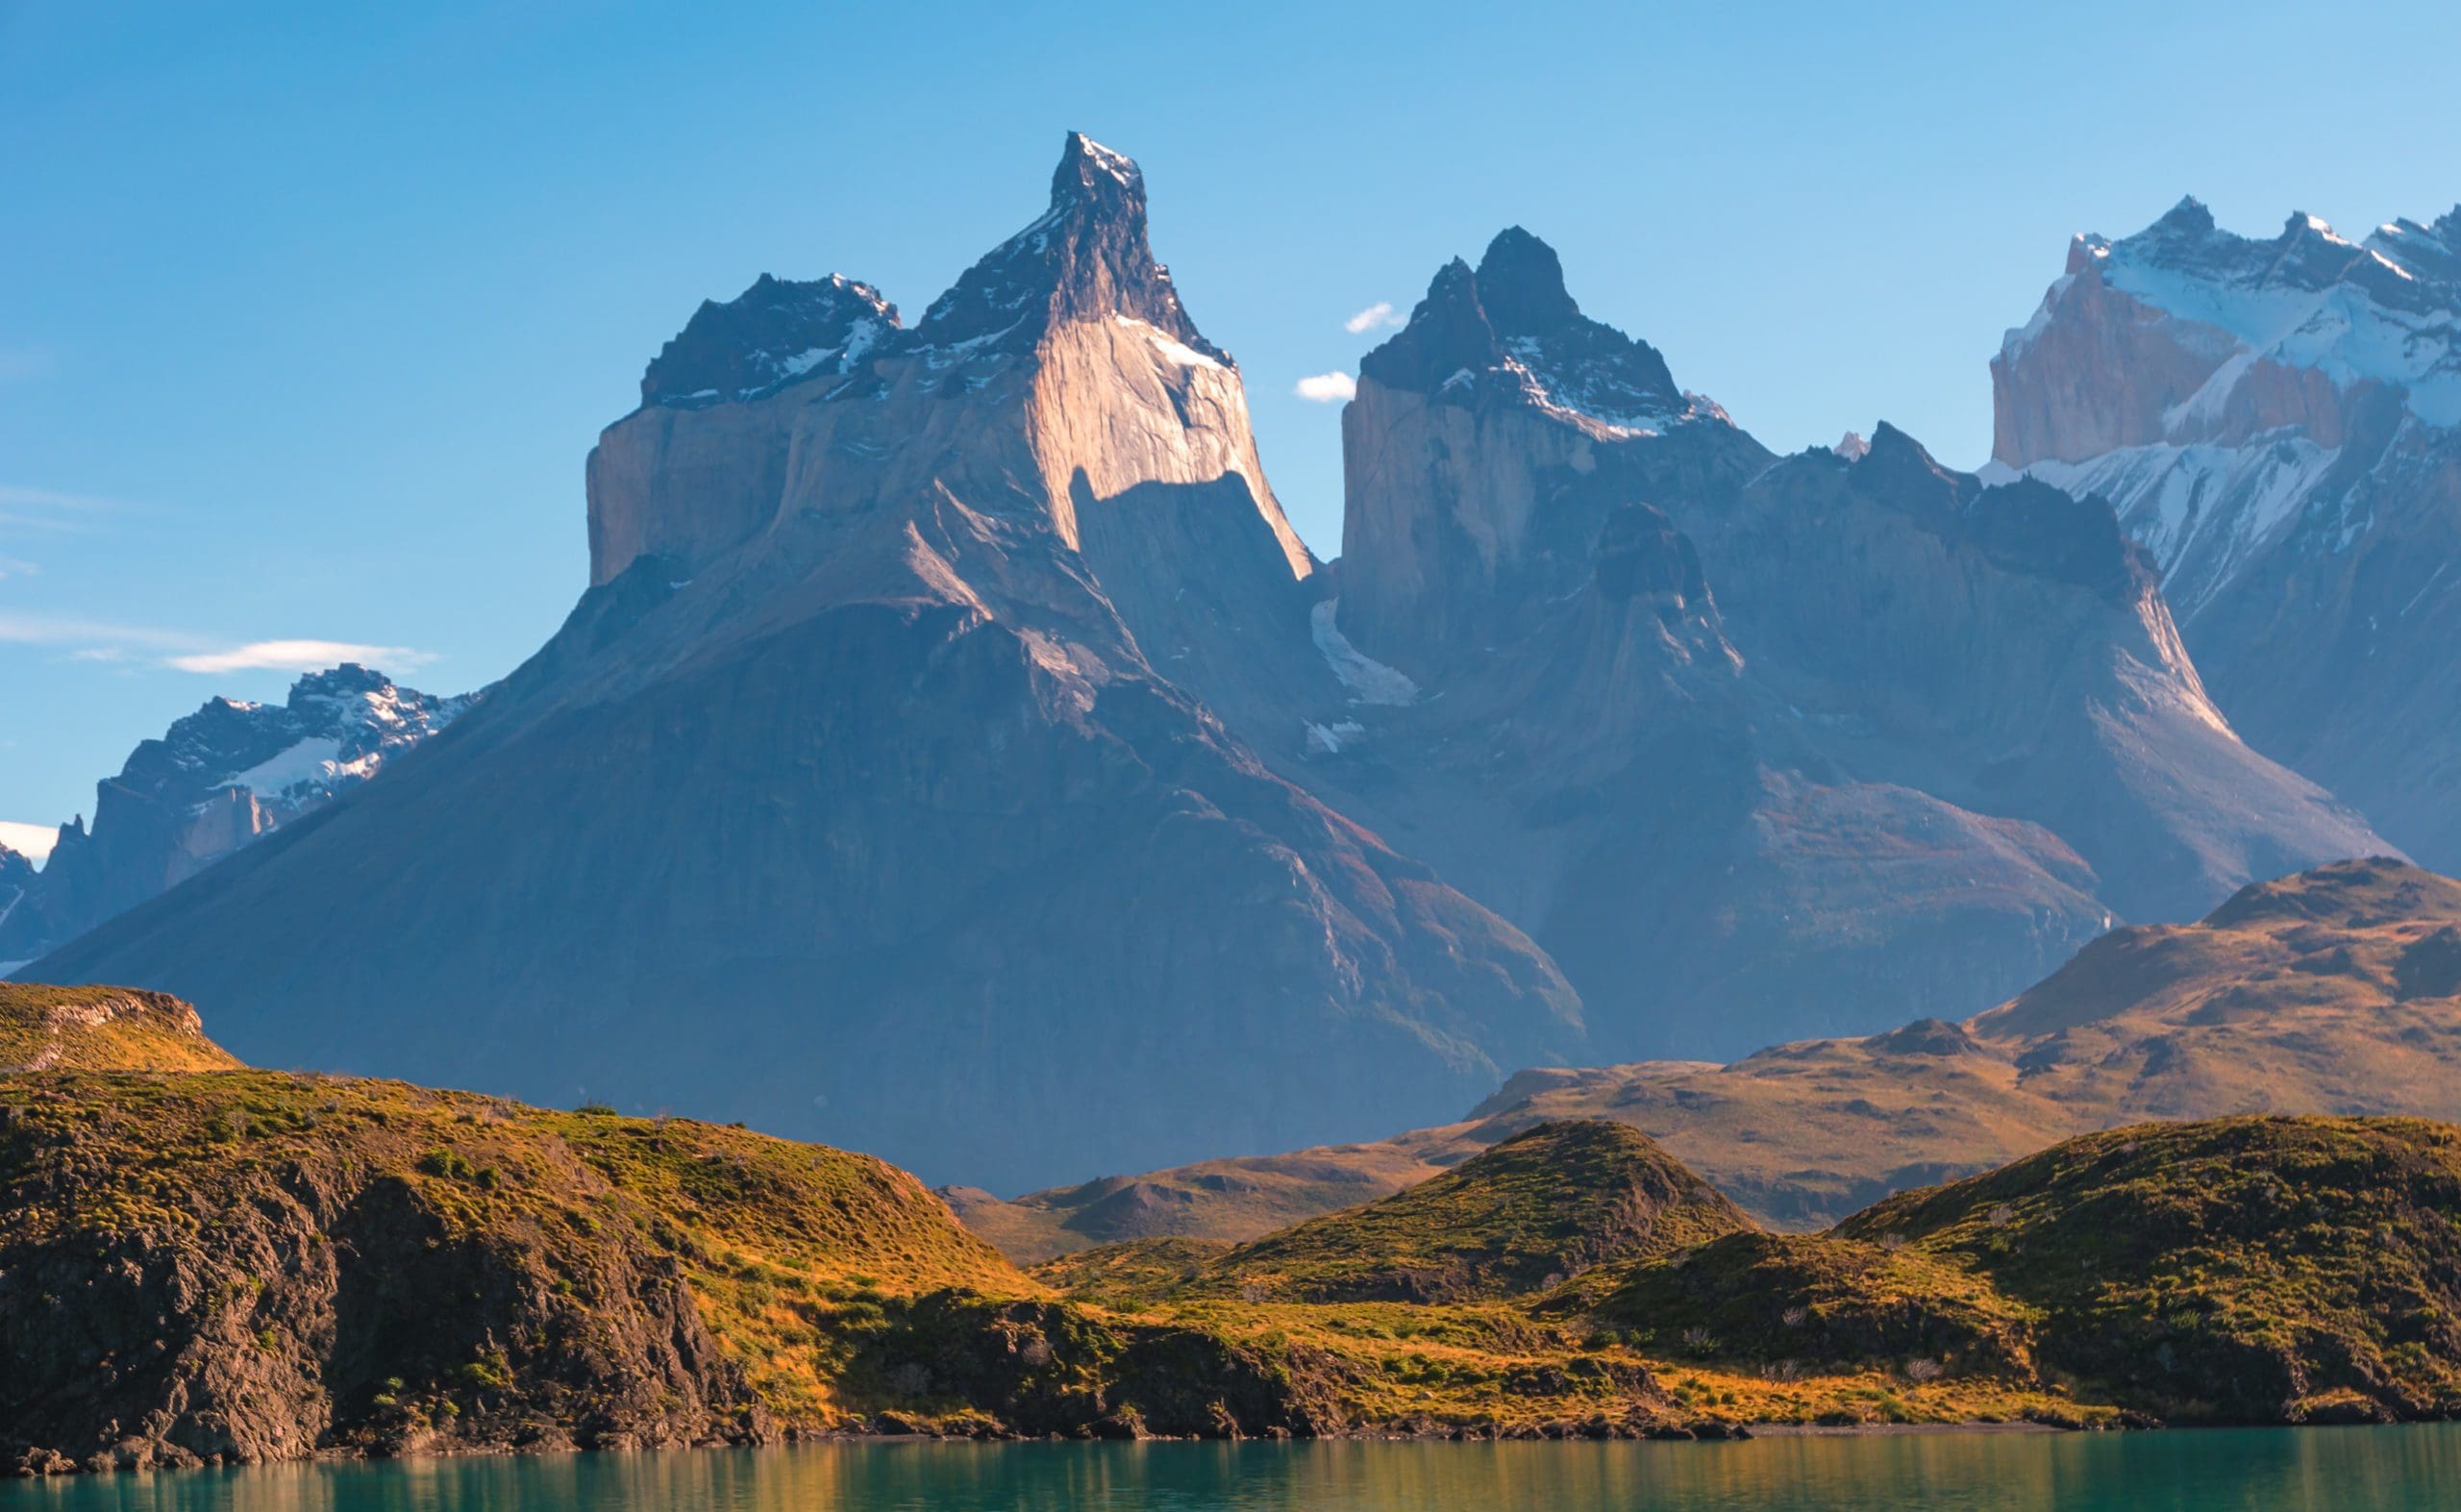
(2334, 991)
(1002, 785)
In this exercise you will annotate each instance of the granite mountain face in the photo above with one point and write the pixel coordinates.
(957, 754)
(2279, 420)
(851, 801)
(1752, 745)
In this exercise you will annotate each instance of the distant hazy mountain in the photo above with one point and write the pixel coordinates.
(218, 780)
(956, 752)
(2279, 422)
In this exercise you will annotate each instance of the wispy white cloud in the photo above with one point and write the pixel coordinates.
(1327, 389)
(37, 628)
(19, 496)
(17, 567)
(34, 842)
(1379, 316)
(52, 510)
(183, 651)
(299, 656)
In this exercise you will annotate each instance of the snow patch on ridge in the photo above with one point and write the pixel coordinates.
(1369, 680)
(1172, 349)
(2204, 510)
(1572, 398)
(1118, 164)
(1328, 739)
(315, 762)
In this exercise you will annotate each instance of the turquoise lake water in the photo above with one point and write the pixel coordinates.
(2321, 1467)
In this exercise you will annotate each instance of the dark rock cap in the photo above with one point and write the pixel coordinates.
(1515, 317)
(1521, 284)
(1447, 334)
(776, 333)
(1087, 256)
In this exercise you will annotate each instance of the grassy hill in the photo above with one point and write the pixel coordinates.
(2336, 991)
(2249, 1270)
(367, 1265)
(268, 1266)
(1133, 1273)
(1538, 1209)
(102, 1028)
(1815, 1303)
(234, 1266)
(2237, 1269)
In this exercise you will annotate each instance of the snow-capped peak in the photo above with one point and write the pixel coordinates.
(2387, 310)
(1118, 165)
(337, 727)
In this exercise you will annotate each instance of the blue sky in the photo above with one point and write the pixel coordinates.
(311, 312)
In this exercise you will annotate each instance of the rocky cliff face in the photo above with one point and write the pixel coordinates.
(1071, 321)
(216, 780)
(2279, 422)
(2009, 652)
(237, 1267)
(699, 467)
(931, 837)
(1755, 746)
(311, 1308)
(1471, 425)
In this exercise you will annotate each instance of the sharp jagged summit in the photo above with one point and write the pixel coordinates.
(1086, 258)
(1512, 325)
